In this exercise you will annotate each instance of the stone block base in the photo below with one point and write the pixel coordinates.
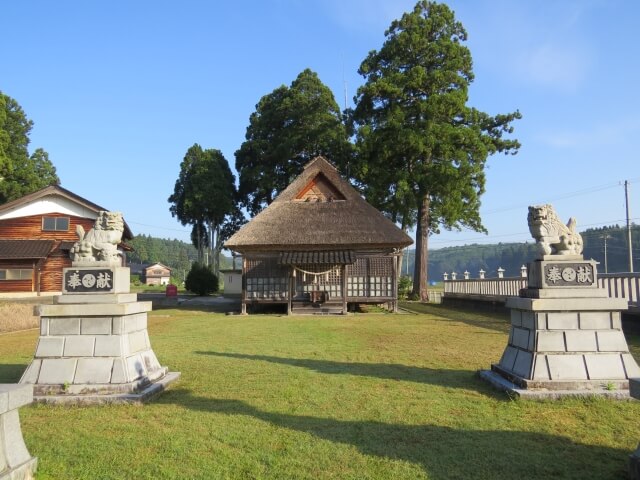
(142, 394)
(97, 346)
(44, 389)
(15, 461)
(572, 385)
(21, 472)
(569, 345)
(556, 391)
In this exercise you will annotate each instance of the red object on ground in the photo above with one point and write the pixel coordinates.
(172, 291)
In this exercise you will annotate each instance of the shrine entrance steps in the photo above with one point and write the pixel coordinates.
(308, 308)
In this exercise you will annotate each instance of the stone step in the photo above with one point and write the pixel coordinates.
(317, 310)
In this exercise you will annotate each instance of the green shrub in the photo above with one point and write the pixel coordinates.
(404, 287)
(201, 280)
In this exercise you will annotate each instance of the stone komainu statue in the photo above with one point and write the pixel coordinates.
(551, 235)
(100, 244)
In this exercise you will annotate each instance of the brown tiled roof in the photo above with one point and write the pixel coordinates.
(289, 224)
(25, 249)
(66, 245)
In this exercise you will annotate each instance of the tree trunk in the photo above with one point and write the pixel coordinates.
(199, 244)
(420, 264)
(212, 260)
(216, 252)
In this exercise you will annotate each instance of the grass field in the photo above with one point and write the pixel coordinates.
(370, 396)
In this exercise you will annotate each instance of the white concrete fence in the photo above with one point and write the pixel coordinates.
(481, 288)
(618, 285)
(622, 285)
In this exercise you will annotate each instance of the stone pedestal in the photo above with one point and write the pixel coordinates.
(15, 461)
(93, 345)
(634, 458)
(566, 336)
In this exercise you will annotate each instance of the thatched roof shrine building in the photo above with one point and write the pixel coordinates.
(318, 247)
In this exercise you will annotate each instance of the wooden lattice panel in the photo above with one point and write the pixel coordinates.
(319, 190)
(370, 277)
(266, 279)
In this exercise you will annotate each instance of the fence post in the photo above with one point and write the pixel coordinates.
(482, 272)
(523, 271)
(453, 275)
(500, 272)
(466, 275)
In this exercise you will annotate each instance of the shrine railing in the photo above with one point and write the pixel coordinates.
(622, 285)
(617, 285)
(491, 289)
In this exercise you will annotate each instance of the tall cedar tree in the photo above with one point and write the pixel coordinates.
(205, 196)
(422, 149)
(20, 174)
(290, 126)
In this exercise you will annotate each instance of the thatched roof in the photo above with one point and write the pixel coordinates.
(319, 210)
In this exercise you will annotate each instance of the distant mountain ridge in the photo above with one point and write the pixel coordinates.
(511, 256)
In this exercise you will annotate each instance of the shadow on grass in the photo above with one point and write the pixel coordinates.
(11, 373)
(443, 452)
(498, 321)
(391, 371)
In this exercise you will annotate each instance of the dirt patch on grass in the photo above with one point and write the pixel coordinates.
(16, 316)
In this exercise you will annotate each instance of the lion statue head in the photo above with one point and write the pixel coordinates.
(551, 235)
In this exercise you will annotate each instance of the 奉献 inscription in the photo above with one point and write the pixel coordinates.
(88, 280)
(569, 274)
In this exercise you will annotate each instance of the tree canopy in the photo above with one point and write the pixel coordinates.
(205, 196)
(290, 126)
(422, 150)
(20, 173)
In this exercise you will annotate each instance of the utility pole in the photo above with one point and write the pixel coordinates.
(626, 197)
(606, 265)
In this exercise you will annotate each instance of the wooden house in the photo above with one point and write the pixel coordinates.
(157, 274)
(36, 233)
(318, 247)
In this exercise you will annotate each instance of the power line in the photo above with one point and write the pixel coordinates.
(577, 193)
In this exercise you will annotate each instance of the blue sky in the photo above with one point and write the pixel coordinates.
(118, 91)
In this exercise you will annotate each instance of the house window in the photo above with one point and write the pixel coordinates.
(16, 274)
(55, 224)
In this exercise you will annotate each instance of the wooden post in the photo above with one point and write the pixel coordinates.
(37, 276)
(394, 304)
(291, 289)
(344, 289)
(243, 301)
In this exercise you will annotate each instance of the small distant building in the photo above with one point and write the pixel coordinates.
(232, 279)
(319, 244)
(157, 274)
(36, 233)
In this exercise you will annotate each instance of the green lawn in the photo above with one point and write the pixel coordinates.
(359, 397)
